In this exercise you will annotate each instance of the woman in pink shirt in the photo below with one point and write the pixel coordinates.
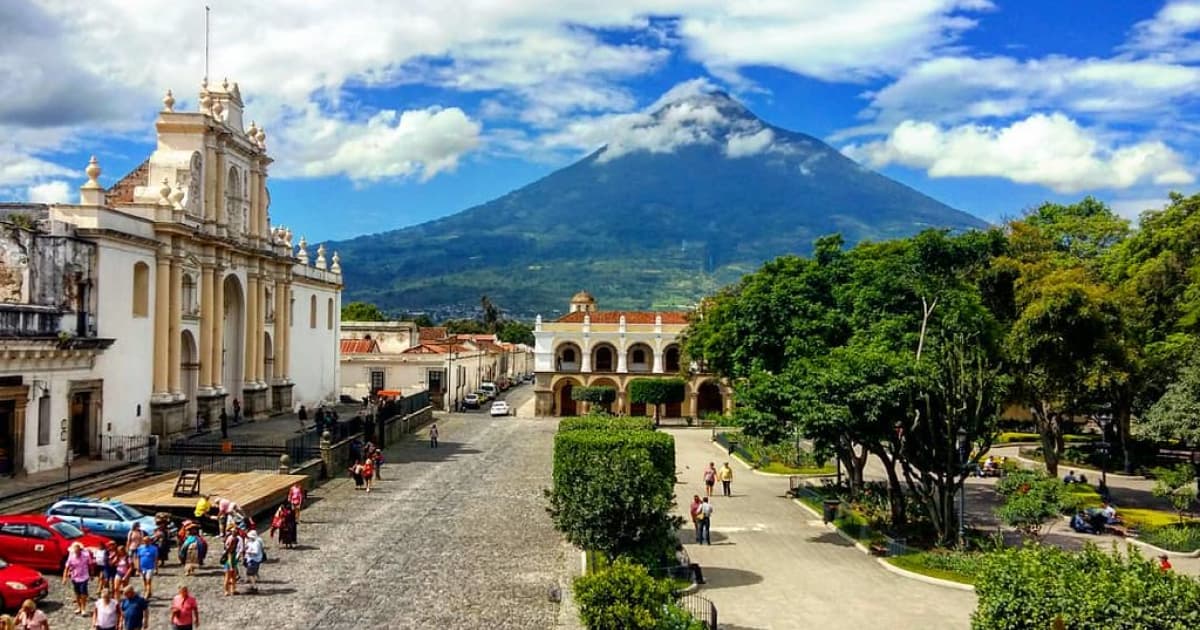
(78, 569)
(185, 614)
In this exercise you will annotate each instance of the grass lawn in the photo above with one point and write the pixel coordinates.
(936, 565)
(781, 468)
(1009, 437)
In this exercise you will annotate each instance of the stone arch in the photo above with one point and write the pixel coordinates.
(672, 358)
(568, 357)
(234, 336)
(141, 289)
(563, 404)
(604, 357)
(709, 399)
(613, 407)
(189, 371)
(639, 358)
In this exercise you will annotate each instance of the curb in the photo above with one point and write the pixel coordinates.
(924, 578)
(1160, 551)
(883, 561)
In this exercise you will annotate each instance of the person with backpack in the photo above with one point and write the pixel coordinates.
(704, 518)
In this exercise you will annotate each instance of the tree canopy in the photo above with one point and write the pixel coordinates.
(362, 312)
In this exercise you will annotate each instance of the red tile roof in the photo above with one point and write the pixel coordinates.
(631, 317)
(433, 333)
(437, 348)
(359, 346)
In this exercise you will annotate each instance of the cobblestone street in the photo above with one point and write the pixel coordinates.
(454, 537)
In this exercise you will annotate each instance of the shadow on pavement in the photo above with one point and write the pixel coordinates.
(419, 451)
(831, 538)
(687, 536)
(719, 577)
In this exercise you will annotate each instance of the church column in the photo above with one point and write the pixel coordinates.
(281, 327)
(222, 221)
(260, 336)
(283, 363)
(218, 328)
(162, 289)
(176, 315)
(252, 195)
(206, 326)
(251, 324)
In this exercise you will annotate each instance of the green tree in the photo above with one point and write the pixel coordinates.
(598, 396)
(465, 326)
(422, 320)
(1176, 416)
(490, 314)
(512, 331)
(1033, 501)
(1030, 587)
(1175, 485)
(623, 596)
(657, 392)
(362, 312)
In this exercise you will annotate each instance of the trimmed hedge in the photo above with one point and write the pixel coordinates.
(575, 449)
(605, 423)
(657, 391)
(596, 395)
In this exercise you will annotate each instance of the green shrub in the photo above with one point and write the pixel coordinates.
(605, 423)
(957, 566)
(1031, 586)
(623, 597)
(1174, 537)
(657, 391)
(1175, 485)
(574, 448)
(1031, 501)
(596, 395)
(1009, 437)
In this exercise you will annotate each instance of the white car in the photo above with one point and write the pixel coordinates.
(501, 408)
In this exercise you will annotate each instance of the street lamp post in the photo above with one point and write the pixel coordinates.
(1104, 420)
(963, 455)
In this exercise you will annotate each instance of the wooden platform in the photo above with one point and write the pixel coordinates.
(256, 492)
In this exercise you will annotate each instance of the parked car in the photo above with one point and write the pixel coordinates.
(483, 395)
(112, 519)
(471, 401)
(41, 542)
(501, 408)
(19, 583)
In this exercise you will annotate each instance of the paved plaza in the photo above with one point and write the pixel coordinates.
(772, 565)
(456, 537)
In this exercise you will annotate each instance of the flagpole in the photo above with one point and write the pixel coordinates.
(206, 10)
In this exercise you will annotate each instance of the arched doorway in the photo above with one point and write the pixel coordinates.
(604, 358)
(709, 399)
(189, 370)
(268, 366)
(233, 339)
(566, 405)
(671, 359)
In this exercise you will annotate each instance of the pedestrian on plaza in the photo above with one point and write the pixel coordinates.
(106, 611)
(193, 548)
(30, 618)
(433, 435)
(237, 411)
(224, 424)
(285, 523)
(705, 519)
(102, 560)
(356, 471)
(296, 499)
(726, 477)
(302, 416)
(162, 537)
(135, 610)
(694, 511)
(377, 458)
(232, 550)
(7, 623)
(710, 478)
(147, 562)
(252, 557)
(136, 538)
(78, 570)
(124, 568)
(368, 472)
(185, 613)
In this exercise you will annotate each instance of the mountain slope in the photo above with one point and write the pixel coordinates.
(678, 203)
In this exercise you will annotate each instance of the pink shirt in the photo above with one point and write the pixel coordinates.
(183, 610)
(79, 566)
(36, 621)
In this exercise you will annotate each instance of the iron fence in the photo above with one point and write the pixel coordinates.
(404, 406)
(303, 447)
(700, 608)
(133, 449)
(215, 462)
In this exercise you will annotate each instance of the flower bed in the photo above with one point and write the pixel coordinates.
(956, 566)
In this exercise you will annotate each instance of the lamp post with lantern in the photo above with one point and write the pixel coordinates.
(963, 455)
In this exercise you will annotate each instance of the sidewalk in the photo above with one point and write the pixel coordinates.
(274, 430)
(772, 566)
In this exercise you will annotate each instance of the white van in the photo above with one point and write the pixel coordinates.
(490, 388)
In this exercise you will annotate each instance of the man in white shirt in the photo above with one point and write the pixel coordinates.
(705, 511)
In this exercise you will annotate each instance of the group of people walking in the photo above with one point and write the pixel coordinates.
(701, 510)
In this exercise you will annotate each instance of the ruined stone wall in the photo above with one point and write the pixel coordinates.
(40, 270)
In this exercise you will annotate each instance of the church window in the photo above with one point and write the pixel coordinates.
(141, 290)
(639, 356)
(190, 307)
(312, 311)
(329, 314)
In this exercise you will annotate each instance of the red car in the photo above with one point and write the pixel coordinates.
(41, 542)
(18, 584)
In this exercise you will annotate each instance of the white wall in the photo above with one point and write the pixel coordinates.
(315, 352)
(127, 366)
(57, 384)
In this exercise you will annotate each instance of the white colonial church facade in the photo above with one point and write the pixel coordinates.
(150, 305)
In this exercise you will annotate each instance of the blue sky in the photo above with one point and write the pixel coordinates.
(395, 113)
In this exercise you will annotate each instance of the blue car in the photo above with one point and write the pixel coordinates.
(112, 519)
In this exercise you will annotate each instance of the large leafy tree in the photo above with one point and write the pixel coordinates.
(362, 312)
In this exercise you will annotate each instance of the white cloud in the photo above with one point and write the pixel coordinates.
(1132, 208)
(389, 144)
(50, 192)
(743, 145)
(18, 167)
(1048, 150)
(1170, 34)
